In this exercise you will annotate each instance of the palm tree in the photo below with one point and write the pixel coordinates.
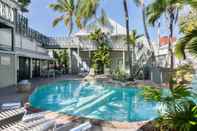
(188, 42)
(101, 57)
(170, 9)
(74, 12)
(86, 9)
(67, 8)
(134, 37)
(128, 39)
(146, 33)
(133, 40)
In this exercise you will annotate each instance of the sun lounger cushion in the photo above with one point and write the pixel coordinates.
(9, 106)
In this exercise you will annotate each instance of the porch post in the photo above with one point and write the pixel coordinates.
(78, 62)
(123, 60)
(89, 55)
(70, 61)
(31, 67)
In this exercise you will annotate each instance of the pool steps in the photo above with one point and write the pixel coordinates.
(94, 102)
(86, 100)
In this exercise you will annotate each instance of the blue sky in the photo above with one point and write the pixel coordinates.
(41, 17)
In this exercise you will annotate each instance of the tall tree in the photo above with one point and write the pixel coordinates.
(133, 41)
(86, 9)
(188, 42)
(67, 8)
(74, 12)
(168, 8)
(125, 4)
(146, 33)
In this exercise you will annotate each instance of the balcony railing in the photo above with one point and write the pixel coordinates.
(22, 28)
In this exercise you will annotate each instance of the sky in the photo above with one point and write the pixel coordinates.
(41, 16)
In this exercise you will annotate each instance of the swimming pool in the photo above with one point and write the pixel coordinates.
(94, 100)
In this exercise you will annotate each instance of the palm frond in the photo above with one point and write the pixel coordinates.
(57, 7)
(180, 92)
(187, 43)
(57, 20)
(181, 117)
(192, 3)
(155, 10)
(152, 94)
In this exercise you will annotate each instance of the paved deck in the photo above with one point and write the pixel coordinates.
(9, 94)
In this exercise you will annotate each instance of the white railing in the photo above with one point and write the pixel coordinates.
(74, 42)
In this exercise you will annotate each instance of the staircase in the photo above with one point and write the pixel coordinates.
(84, 65)
(142, 57)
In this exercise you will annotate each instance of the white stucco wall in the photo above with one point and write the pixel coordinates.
(7, 69)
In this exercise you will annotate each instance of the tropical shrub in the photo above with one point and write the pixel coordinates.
(101, 57)
(181, 117)
(61, 59)
(178, 112)
(120, 75)
(183, 73)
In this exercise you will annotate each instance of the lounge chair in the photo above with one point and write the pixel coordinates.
(18, 120)
(10, 106)
(34, 125)
(10, 117)
(37, 122)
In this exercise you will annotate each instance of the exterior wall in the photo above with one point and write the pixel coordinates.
(7, 69)
(159, 75)
(117, 60)
(116, 57)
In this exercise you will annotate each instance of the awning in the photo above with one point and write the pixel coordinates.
(32, 54)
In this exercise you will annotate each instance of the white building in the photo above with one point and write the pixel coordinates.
(80, 48)
(21, 51)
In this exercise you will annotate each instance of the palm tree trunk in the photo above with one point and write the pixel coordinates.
(171, 50)
(128, 43)
(146, 31)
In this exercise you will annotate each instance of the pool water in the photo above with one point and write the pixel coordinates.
(94, 100)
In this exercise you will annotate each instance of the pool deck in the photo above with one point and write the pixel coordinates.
(9, 94)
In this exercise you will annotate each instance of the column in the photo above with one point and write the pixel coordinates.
(78, 62)
(31, 68)
(16, 65)
(123, 60)
(151, 76)
(89, 54)
(161, 76)
(69, 61)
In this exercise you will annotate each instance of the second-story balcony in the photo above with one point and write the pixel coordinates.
(85, 45)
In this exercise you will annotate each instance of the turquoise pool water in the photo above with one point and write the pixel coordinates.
(94, 100)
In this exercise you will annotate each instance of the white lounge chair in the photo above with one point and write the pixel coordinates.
(10, 105)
